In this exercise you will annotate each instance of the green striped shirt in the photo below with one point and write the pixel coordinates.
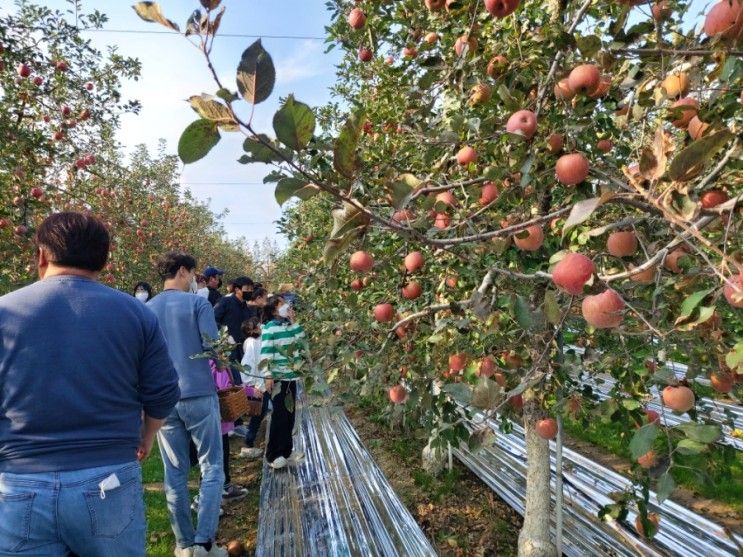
(282, 346)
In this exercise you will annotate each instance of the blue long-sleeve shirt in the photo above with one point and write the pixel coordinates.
(185, 319)
(79, 362)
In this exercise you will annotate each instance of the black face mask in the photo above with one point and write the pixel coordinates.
(219, 284)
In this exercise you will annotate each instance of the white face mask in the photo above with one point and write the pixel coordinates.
(284, 311)
(194, 287)
(142, 296)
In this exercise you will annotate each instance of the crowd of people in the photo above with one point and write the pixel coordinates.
(92, 376)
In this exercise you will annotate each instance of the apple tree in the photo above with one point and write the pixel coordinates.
(505, 195)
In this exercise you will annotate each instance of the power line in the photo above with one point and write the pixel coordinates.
(226, 35)
(222, 184)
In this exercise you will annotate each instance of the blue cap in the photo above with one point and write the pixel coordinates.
(212, 272)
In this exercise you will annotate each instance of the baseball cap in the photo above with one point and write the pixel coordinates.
(212, 272)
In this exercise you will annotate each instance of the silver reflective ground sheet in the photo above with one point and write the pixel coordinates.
(337, 502)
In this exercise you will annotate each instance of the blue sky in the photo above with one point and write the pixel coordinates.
(172, 70)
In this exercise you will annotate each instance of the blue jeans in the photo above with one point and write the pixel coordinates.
(255, 422)
(198, 419)
(51, 514)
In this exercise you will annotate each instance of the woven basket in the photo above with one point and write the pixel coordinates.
(233, 403)
(255, 406)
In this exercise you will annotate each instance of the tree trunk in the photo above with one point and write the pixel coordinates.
(534, 539)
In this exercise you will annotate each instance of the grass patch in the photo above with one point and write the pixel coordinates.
(716, 474)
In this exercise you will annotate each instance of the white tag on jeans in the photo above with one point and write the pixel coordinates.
(111, 482)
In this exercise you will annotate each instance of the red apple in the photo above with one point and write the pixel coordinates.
(20, 230)
(722, 382)
(603, 311)
(61, 66)
(384, 312)
(362, 262)
(680, 398)
(622, 244)
(89, 86)
(38, 80)
(604, 145)
(457, 361)
(584, 79)
(23, 70)
(555, 143)
(398, 394)
(547, 428)
(573, 272)
(37, 192)
(571, 169)
(652, 416)
(671, 262)
(488, 193)
(414, 261)
(647, 460)
(523, 122)
(661, 10)
(654, 520)
(465, 45)
(466, 155)
(563, 91)
(501, 8)
(725, 19)
(487, 367)
(435, 5)
(533, 241)
(447, 198)
(411, 291)
(713, 198)
(357, 285)
(697, 128)
(442, 221)
(497, 66)
(516, 401)
(365, 55)
(356, 18)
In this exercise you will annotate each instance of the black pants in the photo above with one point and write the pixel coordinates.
(226, 458)
(282, 423)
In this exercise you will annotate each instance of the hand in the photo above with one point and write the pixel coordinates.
(269, 386)
(145, 447)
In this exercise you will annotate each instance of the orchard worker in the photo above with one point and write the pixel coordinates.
(188, 323)
(213, 278)
(85, 382)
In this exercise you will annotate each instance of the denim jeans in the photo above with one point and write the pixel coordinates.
(53, 514)
(198, 419)
(255, 422)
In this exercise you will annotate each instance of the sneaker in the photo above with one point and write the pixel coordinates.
(233, 492)
(250, 452)
(195, 508)
(215, 551)
(296, 457)
(183, 551)
(278, 464)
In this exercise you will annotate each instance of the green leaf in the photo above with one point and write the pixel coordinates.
(631, 404)
(197, 140)
(690, 447)
(150, 11)
(256, 74)
(258, 151)
(294, 124)
(226, 95)
(642, 440)
(588, 45)
(702, 433)
(666, 485)
(401, 188)
(345, 158)
(690, 161)
(210, 109)
(691, 302)
(523, 313)
(293, 187)
(705, 313)
(734, 358)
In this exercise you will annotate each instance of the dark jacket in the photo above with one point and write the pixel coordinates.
(214, 296)
(231, 312)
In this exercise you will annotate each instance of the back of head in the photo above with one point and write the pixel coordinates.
(169, 263)
(74, 240)
(240, 282)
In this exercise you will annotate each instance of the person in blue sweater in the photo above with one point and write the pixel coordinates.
(85, 383)
(188, 323)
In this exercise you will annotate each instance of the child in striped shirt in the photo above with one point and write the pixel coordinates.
(283, 347)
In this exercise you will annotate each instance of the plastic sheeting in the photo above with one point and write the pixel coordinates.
(337, 502)
(587, 487)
